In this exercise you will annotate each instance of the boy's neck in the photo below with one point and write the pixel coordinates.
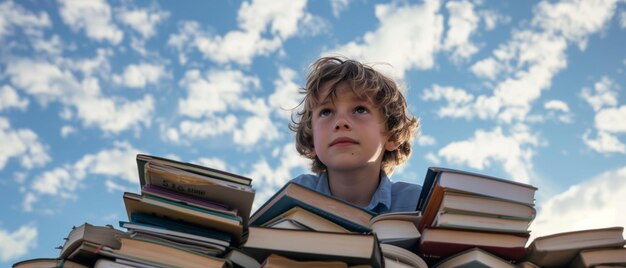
(354, 186)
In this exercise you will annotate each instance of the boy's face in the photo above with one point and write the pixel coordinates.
(348, 131)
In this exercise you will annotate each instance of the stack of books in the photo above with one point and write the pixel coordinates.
(306, 226)
(192, 216)
(463, 210)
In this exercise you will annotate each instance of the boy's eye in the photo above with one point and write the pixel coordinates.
(360, 110)
(325, 112)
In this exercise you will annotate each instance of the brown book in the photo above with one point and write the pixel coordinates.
(347, 215)
(300, 245)
(47, 262)
(440, 180)
(299, 218)
(160, 254)
(559, 249)
(474, 257)
(397, 257)
(74, 248)
(439, 243)
(604, 256)
(277, 261)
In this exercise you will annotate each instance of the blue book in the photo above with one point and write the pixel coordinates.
(349, 216)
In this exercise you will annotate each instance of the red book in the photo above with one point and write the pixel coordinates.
(438, 243)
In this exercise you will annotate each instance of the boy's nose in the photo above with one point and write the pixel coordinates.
(342, 123)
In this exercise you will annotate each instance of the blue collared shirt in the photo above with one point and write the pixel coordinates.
(389, 197)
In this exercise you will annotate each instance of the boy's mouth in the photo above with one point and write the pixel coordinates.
(343, 141)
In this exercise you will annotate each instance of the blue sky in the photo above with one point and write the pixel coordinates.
(524, 90)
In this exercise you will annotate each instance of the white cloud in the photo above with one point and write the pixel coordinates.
(461, 104)
(408, 37)
(144, 21)
(426, 140)
(339, 6)
(67, 130)
(264, 25)
(23, 144)
(140, 75)
(432, 158)
(604, 142)
(52, 84)
(462, 23)
(257, 127)
(64, 181)
(213, 92)
(492, 18)
(53, 46)
(611, 120)
(486, 68)
(594, 203)
(556, 105)
(286, 94)
(605, 94)
(514, 152)
(215, 163)
(10, 99)
(208, 127)
(92, 16)
(17, 244)
(574, 19)
(14, 16)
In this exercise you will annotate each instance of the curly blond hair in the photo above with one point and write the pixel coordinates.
(365, 82)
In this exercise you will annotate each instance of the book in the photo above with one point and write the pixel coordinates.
(171, 234)
(74, 248)
(184, 243)
(277, 261)
(438, 243)
(474, 257)
(604, 256)
(139, 204)
(241, 260)
(179, 226)
(160, 254)
(559, 249)
(47, 262)
(397, 228)
(439, 180)
(484, 205)
(480, 222)
(143, 159)
(106, 263)
(349, 216)
(300, 245)
(395, 256)
(299, 218)
(186, 199)
(235, 196)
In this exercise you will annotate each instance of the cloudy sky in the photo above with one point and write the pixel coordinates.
(529, 91)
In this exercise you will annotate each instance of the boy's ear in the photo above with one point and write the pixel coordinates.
(391, 145)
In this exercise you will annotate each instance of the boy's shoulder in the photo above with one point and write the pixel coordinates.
(404, 196)
(308, 180)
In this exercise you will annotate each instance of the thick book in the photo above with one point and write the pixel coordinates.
(160, 254)
(186, 199)
(143, 159)
(606, 256)
(240, 259)
(439, 180)
(174, 235)
(474, 257)
(235, 196)
(559, 249)
(439, 243)
(47, 262)
(292, 195)
(277, 261)
(397, 228)
(179, 226)
(399, 257)
(480, 222)
(87, 233)
(351, 248)
(204, 218)
(299, 218)
(483, 205)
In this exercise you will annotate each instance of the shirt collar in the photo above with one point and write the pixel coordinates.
(381, 200)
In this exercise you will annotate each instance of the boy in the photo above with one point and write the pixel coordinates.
(355, 127)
